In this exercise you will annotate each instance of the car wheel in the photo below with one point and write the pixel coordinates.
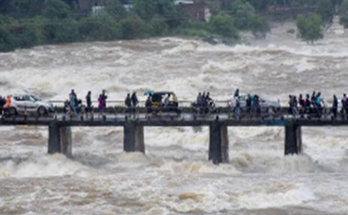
(12, 111)
(42, 111)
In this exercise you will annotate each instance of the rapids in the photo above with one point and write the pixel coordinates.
(174, 177)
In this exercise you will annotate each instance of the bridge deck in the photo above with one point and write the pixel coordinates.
(167, 120)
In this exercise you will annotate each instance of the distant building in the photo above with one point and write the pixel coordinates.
(98, 10)
(199, 11)
(87, 6)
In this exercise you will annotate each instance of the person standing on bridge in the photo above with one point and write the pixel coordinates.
(207, 97)
(334, 106)
(248, 104)
(257, 103)
(236, 94)
(104, 97)
(8, 104)
(128, 103)
(199, 98)
(73, 102)
(135, 100)
(89, 102)
(302, 103)
(237, 109)
(313, 98)
(101, 104)
(344, 102)
(148, 104)
(318, 104)
(308, 104)
(290, 105)
(294, 105)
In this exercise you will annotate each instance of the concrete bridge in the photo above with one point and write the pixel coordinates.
(60, 136)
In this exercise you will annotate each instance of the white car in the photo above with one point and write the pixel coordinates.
(264, 103)
(31, 104)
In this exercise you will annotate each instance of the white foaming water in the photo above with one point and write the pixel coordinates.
(174, 177)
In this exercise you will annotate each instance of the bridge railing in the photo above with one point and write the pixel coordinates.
(120, 103)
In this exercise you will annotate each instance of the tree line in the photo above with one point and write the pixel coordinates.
(28, 23)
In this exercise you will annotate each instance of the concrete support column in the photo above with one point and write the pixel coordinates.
(59, 140)
(215, 154)
(139, 139)
(133, 138)
(293, 139)
(53, 139)
(225, 144)
(66, 141)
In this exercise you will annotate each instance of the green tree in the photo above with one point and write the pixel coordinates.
(310, 27)
(134, 28)
(146, 9)
(7, 41)
(100, 28)
(223, 25)
(259, 4)
(56, 9)
(62, 32)
(159, 26)
(29, 35)
(173, 15)
(260, 27)
(344, 14)
(25, 8)
(115, 9)
(244, 14)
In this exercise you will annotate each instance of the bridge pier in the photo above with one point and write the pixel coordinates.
(59, 140)
(225, 145)
(133, 138)
(218, 143)
(293, 139)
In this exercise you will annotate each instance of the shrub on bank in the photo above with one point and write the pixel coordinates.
(7, 41)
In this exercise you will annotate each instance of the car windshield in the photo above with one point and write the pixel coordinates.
(35, 98)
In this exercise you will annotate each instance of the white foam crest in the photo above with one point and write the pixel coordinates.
(200, 202)
(132, 158)
(325, 144)
(275, 196)
(293, 164)
(156, 211)
(319, 49)
(186, 46)
(269, 161)
(194, 167)
(43, 166)
(183, 137)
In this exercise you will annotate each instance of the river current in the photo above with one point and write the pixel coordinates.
(175, 176)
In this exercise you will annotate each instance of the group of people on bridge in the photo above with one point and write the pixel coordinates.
(316, 105)
(74, 105)
(310, 105)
